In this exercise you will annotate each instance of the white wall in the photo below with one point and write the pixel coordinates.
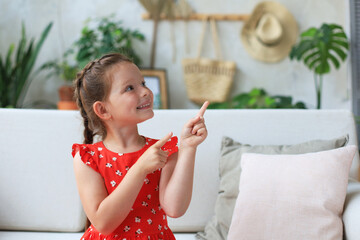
(283, 78)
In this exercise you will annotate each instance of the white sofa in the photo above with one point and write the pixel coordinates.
(38, 195)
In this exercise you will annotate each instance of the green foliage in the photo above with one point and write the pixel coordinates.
(107, 36)
(258, 99)
(318, 47)
(15, 70)
(63, 69)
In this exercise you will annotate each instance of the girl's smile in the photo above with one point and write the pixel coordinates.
(144, 106)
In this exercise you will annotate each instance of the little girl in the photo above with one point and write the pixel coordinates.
(129, 183)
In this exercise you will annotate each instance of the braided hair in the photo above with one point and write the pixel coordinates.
(91, 85)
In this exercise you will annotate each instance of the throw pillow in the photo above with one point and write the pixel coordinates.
(229, 170)
(292, 196)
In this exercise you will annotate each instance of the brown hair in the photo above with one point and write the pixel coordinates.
(92, 84)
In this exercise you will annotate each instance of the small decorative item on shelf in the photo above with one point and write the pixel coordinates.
(208, 79)
(317, 48)
(108, 36)
(258, 98)
(15, 72)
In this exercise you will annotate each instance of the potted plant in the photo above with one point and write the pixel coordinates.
(317, 48)
(107, 36)
(15, 70)
(67, 73)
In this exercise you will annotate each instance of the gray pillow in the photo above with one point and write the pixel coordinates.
(229, 169)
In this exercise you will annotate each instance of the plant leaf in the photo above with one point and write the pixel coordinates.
(334, 61)
(318, 47)
(30, 59)
(338, 51)
(310, 56)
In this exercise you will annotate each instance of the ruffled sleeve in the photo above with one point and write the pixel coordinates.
(86, 154)
(171, 146)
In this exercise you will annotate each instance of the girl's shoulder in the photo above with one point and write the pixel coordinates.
(88, 153)
(85, 148)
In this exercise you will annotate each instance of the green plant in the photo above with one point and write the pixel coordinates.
(107, 36)
(317, 48)
(63, 69)
(256, 99)
(15, 71)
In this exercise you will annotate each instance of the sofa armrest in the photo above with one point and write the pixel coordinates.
(351, 215)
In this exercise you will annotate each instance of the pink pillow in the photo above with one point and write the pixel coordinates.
(292, 196)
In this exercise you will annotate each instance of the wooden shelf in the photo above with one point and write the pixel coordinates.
(202, 16)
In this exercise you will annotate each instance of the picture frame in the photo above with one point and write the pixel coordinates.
(155, 80)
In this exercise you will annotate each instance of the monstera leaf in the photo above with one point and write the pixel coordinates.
(320, 46)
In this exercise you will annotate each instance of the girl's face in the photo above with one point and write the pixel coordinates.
(130, 101)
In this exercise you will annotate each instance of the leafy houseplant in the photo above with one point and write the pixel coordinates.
(256, 99)
(15, 71)
(317, 48)
(107, 36)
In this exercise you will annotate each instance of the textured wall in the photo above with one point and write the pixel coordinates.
(284, 78)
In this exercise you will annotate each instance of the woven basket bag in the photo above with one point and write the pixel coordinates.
(208, 79)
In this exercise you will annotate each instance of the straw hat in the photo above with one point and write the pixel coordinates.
(270, 32)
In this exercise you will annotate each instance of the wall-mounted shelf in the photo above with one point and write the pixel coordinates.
(202, 16)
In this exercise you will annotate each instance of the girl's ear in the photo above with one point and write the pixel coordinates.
(101, 111)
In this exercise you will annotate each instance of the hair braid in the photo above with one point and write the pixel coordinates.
(88, 133)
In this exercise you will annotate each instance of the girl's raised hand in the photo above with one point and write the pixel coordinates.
(154, 157)
(194, 131)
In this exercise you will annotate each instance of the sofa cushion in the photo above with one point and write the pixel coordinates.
(230, 169)
(304, 192)
(37, 183)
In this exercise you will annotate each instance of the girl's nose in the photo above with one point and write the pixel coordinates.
(145, 91)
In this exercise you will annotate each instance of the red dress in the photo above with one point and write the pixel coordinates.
(146, 219)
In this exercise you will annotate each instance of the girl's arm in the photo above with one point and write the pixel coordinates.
(106, 212)
(176, 182)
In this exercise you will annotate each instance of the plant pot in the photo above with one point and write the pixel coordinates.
(66, 95)
(67, 105)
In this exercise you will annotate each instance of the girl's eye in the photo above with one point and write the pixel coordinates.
(144, 83)
(129, 88)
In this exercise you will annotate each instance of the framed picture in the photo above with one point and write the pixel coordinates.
(156, 81)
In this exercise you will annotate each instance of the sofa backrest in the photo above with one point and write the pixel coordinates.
(37, 184)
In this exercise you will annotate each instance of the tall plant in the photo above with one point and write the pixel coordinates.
(317, 48)
(15, 71)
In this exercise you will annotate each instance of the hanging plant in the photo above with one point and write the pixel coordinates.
(318, 47)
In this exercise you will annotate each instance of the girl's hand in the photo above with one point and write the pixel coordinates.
(195, 132)
(154, 158)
